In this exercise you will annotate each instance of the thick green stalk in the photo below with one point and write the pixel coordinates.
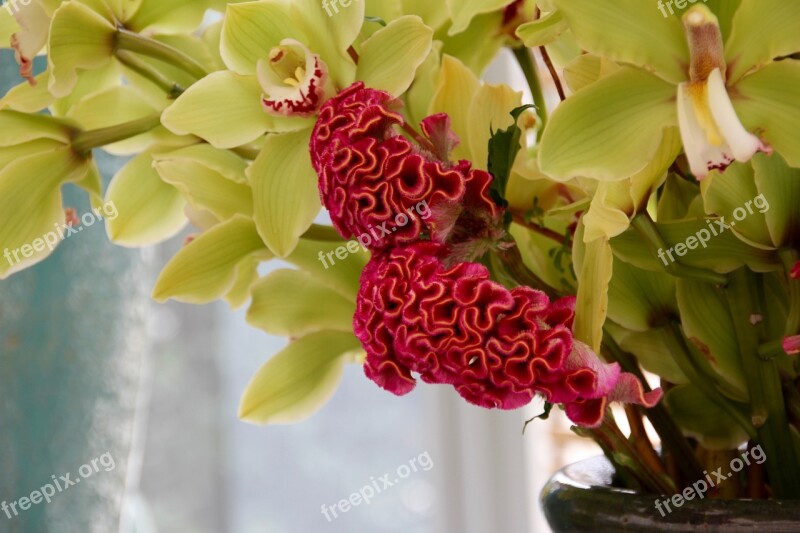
(648, 230)
(173, 89)
(765, 387)
(683, 358)
(84, 141)
(524, 57)
(137, 43)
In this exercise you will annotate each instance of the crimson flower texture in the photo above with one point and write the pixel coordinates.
(373, 179)
(497, 347)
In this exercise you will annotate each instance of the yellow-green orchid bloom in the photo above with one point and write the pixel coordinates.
(677, 73)
(285, 60)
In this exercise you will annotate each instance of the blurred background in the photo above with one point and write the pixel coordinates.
(89, 364)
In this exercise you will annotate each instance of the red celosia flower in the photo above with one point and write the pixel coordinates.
(377, 183)
(497, 347)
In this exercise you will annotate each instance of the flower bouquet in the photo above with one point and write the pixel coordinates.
(643, 219)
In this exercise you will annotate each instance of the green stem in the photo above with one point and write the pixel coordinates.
(683, 358)
(518, 271)
(765, 387)
(672, 439)
(525, 59)
(173, 89)
(134, 42)
(648, 230)
(84, 141)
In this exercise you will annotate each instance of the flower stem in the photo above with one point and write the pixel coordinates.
(134, 42)
(764, 384)
(84, 141)
(648, 230)
(553, 73)
(672, 439)
(173, 89)
(524, 57)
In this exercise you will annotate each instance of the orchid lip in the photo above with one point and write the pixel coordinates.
(713, 136)
(294, 80)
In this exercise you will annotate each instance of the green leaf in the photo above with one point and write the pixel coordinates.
(80, 39)
(205, 188)
(767, 100)
(31, 210)
(463, 11)
(390, 57)
(639, 300)
(762, 30)
(453, 94)
(299, 380)
(284, 191)
(780, 186)
(150, 210)
(504, 145)
(206, 268)
(591, 307)
(702, 419)
(610, 130)
(651, 349)
(251, 29)
(342, 275)
(293, 303)
(708, 325)
(224, 108)
(630, 32)
(730, 195)
(543, 31)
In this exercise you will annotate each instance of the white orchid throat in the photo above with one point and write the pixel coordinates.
(713, 136)
(294, 80)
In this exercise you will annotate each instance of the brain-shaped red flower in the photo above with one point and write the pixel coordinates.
(376, 182)
(455, 326)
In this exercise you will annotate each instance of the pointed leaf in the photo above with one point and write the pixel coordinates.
(284, 191)
(205, 269)
(702, 419)
(31, 211)
(768, 100)
(610, 130)
(293, 303)
(389, 59)
(631, 32)
(79, 39)
(150, 210)
(762, 31)
(299, 380)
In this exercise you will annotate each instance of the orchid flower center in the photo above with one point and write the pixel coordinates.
(713, 136)
(294, 80)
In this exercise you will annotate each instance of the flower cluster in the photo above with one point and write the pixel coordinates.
(497, 347)
(423, 307)
(369, 173)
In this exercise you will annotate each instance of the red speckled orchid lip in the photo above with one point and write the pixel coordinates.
(294, 80)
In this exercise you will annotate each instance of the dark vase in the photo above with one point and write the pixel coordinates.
(580, 498)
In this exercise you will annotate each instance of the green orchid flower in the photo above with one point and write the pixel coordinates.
(285, 59)
(677, 73)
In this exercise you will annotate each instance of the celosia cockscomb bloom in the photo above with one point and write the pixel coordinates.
(497, 347)
(369, 174)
